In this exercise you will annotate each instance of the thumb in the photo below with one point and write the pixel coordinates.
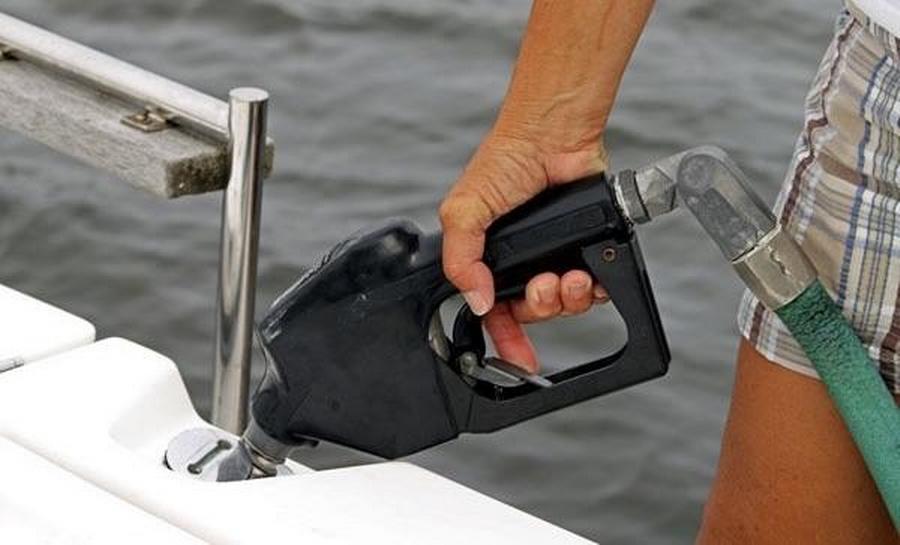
(464, 219)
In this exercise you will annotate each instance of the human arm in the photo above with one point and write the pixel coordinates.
(549, 131)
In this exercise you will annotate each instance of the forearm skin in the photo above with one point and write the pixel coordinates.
(570, 65)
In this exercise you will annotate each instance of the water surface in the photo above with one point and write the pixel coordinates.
(376, 106)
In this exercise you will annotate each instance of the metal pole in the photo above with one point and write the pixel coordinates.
(240, 249)
(146, 89)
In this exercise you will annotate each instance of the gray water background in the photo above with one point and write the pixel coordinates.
(376, 105)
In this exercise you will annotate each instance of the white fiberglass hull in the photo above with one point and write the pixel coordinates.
(85, 430)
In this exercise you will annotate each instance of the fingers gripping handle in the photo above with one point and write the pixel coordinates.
(620, 268)
(544, 235)
(575, 226)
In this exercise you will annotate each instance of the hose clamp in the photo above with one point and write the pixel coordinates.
(776, 270)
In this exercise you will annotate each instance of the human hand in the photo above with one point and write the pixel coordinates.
(505, 172)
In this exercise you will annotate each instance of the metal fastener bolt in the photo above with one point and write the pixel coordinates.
(197, 467)
(468, 362)
(609, 255)
(148, 120)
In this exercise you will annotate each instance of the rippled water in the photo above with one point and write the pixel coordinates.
(376, 106)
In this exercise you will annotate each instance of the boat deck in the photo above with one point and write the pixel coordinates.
(85, 424)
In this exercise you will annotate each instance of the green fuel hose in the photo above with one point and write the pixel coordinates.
(858, 392)
(777, 271)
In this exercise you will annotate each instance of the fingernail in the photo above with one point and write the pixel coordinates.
(476, 302)
(578, 288)
(546, 294)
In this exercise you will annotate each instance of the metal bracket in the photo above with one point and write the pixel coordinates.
(497, 371)
(150, 119)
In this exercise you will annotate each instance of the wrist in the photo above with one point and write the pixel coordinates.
(564, 153)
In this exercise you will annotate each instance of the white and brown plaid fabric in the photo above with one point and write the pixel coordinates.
(841, 197)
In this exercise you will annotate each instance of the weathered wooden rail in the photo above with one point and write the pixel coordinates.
(154, 133)
(162, 137)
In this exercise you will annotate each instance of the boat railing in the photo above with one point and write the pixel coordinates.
(163, 137)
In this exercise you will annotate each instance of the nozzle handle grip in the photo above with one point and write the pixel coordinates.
(547, 233)
(574, 226)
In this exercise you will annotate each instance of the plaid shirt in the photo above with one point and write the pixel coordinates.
(841, 197)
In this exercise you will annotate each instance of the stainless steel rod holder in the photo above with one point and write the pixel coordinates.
(241, 209)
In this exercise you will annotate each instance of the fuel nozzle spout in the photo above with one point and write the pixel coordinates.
(267, 454)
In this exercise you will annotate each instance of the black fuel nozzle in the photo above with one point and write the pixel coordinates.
(354, 356)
